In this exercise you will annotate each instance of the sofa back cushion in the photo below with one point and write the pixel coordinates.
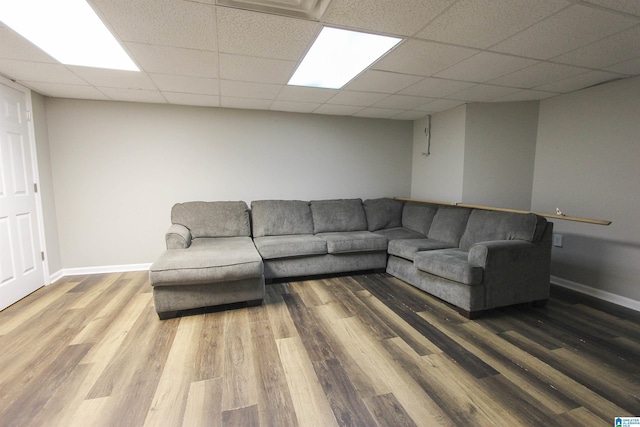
(213, 219)
(449, 224)
(418, 216)
(338, 215)
(281, 217)
(383, 213)
(484, 225)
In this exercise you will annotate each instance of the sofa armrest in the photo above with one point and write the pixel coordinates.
(178, 237)
(515, 271)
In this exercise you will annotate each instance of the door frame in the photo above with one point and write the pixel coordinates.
(36, 173)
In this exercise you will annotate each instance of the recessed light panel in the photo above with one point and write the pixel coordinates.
(337, 56)
(68, 30)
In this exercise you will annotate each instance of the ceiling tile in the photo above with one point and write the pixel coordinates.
(482, 93)
(631, 67)
(422, 58)
(305, 94)
(378, 113)
(245, 103)
(436, 88)
(115, 78)
(525, 95)
(385, 16)
(258, 34)
(163, 22)
(484, 67)
(579, 82)
(14, 46)
(133, 95)
(175, 60)
(294, 107)
(58, 90)
(440, 105)
(569, 29)
(39, 72)
(402, 102)
(363, 99)
(382, 81)
(482, 23)
(539, 74)
(410, 115)
(185, 84)
(612, 50)
(338, 110)
(627, 6)
(249, 90)
(255, 69)
(192, 99)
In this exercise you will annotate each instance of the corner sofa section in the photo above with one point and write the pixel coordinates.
(474, 259)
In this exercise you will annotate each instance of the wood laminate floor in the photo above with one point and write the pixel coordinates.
(364, 350)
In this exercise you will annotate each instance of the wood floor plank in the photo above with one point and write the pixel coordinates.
(310, 331)
(366, 349)
(494, 351)
(240, 388)
(204, 404)
(274, 398)
(279, 316)
(33, 397)
(388, 411)
(31, 306)
(134, 372)
(418, 342)
(170, 398)
(309, 401)
(346, 404)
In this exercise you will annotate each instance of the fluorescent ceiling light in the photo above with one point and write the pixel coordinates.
(68, 30)
(337, 56)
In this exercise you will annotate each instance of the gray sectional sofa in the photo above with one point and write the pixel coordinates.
(473, 259)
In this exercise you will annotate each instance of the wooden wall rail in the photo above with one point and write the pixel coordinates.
(491, 208)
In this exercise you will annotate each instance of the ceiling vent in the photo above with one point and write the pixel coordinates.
(306, 9)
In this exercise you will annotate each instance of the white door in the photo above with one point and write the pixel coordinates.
(21, 266)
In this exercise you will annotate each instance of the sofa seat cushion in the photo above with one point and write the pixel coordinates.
(271, 247)
(452, 264)
(400, 233)
(407, 248)
(354, 241)
(207, 260)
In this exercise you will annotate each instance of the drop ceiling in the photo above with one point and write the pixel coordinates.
(241, 53)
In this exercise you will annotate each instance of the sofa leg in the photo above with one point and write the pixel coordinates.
(254, 303)
(540, 303)
(470, 314)
(167, 315)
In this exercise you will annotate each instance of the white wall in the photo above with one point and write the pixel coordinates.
(588, 164)
(119, 167)
(47, 196)
(499, 154)
(439, 176)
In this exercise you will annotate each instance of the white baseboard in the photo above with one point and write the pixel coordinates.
(597, 293)
(98, 270)
(56, 276)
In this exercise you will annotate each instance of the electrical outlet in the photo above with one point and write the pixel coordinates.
(557, 240)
